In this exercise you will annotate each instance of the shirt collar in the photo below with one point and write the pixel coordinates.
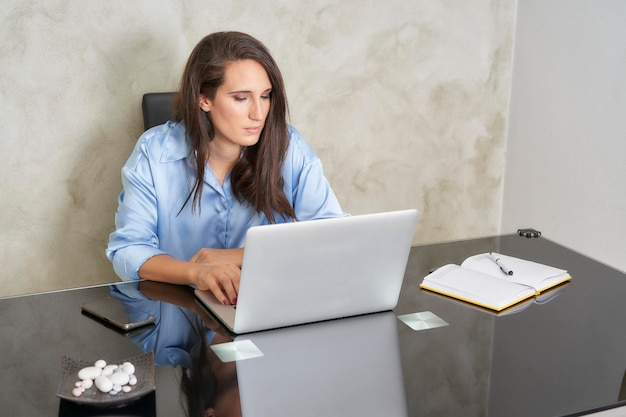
(175, 147)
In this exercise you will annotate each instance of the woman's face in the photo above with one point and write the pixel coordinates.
(240, 106)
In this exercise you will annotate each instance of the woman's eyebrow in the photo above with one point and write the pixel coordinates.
(248, 91)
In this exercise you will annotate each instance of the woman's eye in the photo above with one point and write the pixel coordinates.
(267, 97)
(240, 98)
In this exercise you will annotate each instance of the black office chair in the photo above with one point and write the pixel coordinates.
(157, 108)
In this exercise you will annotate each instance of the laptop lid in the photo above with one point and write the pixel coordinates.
(302, 272)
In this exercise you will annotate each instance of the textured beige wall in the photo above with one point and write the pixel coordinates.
(404, 100)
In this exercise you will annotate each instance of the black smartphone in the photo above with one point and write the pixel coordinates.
(112, 312)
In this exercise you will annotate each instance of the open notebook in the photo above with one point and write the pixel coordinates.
(482, 280)
(302, 272)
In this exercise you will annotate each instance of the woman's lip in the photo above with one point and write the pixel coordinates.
(255, 129)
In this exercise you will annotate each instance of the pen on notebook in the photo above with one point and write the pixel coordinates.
(499, 262)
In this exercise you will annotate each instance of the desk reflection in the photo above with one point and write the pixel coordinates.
(347, 367)
(342, 367)
(180, 337)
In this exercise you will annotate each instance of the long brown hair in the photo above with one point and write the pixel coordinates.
(257, 177)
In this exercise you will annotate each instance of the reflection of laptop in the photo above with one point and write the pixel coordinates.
(308, 271)
(347, 367)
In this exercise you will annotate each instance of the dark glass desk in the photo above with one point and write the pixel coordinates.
(553, 359)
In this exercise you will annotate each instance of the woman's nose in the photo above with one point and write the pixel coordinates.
(256, 111)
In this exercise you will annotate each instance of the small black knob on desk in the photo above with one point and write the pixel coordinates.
(528, 232)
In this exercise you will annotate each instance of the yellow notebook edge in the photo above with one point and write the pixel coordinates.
(556, 284)
(478, 303)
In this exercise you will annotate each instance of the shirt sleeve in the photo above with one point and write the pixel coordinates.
(135, 238)
(313, 197)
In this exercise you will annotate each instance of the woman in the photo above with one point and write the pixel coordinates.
(192, 188)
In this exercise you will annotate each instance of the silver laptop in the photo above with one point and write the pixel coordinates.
(302, 272)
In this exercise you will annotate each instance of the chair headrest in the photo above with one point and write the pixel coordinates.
(157, 108)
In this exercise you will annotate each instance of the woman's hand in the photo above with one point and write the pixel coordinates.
(222, 280)
(219, 273)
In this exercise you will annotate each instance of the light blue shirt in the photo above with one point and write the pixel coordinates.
(157, 179)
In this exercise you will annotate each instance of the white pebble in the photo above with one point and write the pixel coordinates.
(126, 388)
(128, 368)
(77, 392)
(108, 370)
(132, 380)
(100, 363)
(86, 383)
(113, 392)
(120, 378)
(90, 372)
(79, 384)
(103, 383)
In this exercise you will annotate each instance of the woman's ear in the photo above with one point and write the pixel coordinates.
(205, 103)
(209, 412)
